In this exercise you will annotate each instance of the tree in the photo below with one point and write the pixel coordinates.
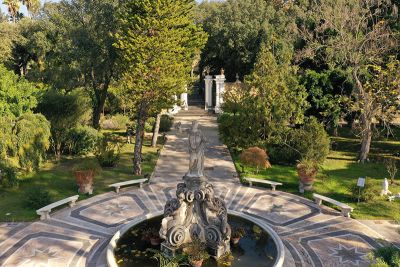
(351, 34)
(13, 8)
(271, 100)
(17, 96)
(157, 41)
(329, 92)
(32, 5)
(82, 52)
(237, 28)
(64, 111)
(29, 146)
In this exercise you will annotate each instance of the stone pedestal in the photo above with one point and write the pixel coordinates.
(208, 80)
(195, 212)
(220, 89)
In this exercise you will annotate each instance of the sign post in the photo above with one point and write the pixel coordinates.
(360, 183)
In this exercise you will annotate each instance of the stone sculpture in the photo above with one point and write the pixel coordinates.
(385, 188)
(196, 211)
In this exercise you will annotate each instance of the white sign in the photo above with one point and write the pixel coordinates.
(361, 182)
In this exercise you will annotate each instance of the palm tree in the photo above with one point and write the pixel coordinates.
(13, 8)
(31, 5)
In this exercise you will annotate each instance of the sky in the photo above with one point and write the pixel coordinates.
(23, 9)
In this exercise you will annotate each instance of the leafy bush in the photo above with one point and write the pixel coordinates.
(17, 95)
(312, 141)
(64, 111)
(309, 142)
(148, 127)
(255, 156)
(108, 152)
(82, 140)
(367, 194)
(31, 145)
(8, 177)
(386, 257)
(233, 134)
(166, 123)
(37, 198)
(282, 155)
(116, 122)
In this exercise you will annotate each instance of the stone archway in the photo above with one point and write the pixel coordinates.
(220, 89)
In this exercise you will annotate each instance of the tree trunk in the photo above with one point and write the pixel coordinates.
(366, 119)
(155, 131)
(98, 106)
(137, 154)
(366, 139)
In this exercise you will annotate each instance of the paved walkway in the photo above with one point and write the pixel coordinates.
(78, 236)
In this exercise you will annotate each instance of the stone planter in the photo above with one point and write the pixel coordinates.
(196, 263)
(306, 177)
(84, 179)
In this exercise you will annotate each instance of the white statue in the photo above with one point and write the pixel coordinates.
(385, 188)
(197, 143)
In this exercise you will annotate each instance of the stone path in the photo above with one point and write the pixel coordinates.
(78, 236)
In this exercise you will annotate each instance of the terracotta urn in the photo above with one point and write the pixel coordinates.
(306, 177)
(198, 263)
(84, 179)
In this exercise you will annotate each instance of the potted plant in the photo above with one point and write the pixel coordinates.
(237, 233)
(312, 143)
(152, 235)
(307, 170)
(84, 175)
(196, 253)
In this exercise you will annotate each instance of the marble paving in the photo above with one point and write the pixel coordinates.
(78, 237)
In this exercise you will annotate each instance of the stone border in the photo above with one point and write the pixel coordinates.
(113, 242)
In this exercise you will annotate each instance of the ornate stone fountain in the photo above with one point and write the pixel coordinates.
(195, 212)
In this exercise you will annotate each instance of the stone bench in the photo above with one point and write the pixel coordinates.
(45, 211)
(346, 209)
(117, 186)
(255, 180)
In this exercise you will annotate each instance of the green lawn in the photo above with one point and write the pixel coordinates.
(58, 179)
(340, 171)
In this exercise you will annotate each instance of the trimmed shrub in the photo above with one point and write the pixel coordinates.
(255, 156)
(116, 122)
(82, 140)
(309, 142)
(166, 123)
(37, 197)
(283, 155)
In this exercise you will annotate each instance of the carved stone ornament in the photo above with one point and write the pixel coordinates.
(195, 212)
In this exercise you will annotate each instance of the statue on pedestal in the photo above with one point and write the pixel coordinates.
(385, 188)
(196, 212)
(197, 143)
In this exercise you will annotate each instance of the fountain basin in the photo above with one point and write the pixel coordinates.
(267, 251)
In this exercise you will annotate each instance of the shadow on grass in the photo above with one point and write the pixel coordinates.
(59, 181)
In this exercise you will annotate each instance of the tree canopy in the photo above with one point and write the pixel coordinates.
(157, 42)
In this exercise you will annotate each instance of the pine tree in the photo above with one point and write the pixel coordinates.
(157, 41)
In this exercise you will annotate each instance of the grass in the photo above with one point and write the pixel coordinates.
(339, 172)
(58, 179)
